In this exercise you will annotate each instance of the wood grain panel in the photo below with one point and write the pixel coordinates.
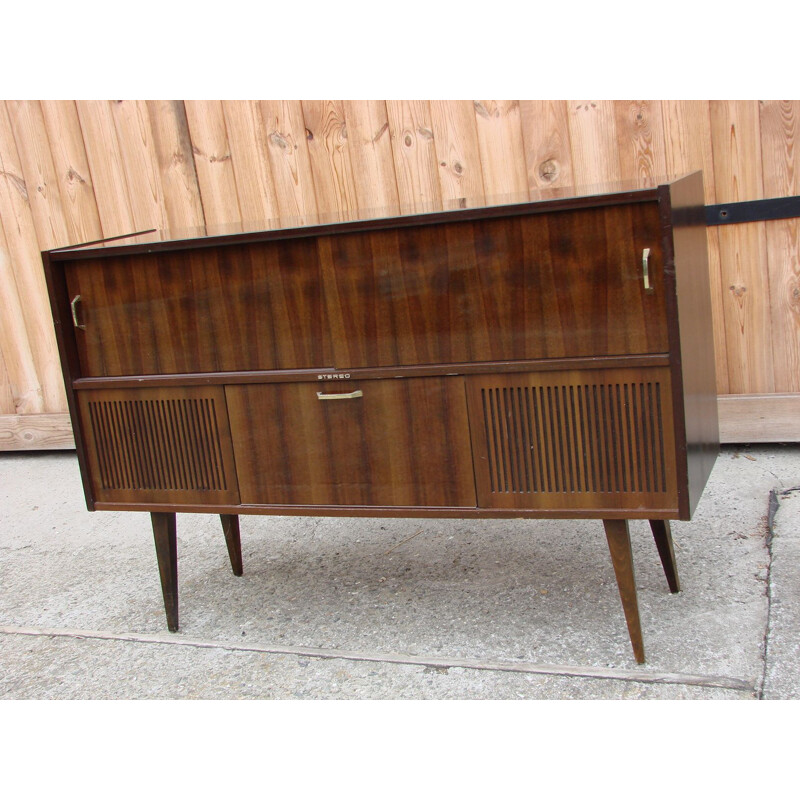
(457, 151)
(403, 443)
(7, 405)
(172, 151)
(545, 128)
(370, 146)
(213, 163)
(414, 150)
(736, 144)
(640, 137)
(159, 445)
(501, 148)
(22, 273)
(106, 168)
(594, 142)
(284, 141)
(255, 186)
(326, 136)
(36, 432)
(590, 439)
(78, 203)
(780, 130)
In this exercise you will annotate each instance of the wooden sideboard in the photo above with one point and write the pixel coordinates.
(549, 358)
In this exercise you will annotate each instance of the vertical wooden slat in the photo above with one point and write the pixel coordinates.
(780, 131)
(640, 137)
(370, 144)
(139, 163)
(172, 148)
(545, 129)
(458, 153)
(329, 151)
(593, 142)
(39, 173)
(687, 143)
(414, 151)
(212, 156)
(7, 405)
(105, 165)
(736, 142)
(502, 149)
(284, 135)
(31, 320)
(78, 203)
(255, 186)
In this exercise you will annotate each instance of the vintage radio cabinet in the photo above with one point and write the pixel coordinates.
(538, 359)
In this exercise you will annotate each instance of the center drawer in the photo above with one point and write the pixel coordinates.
(393, 442)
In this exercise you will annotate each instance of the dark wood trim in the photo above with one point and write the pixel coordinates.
(374, 373)
(400, 512)
(165, 535)
(666, 551)
(191, 239)
(230, 527)
(619, 545)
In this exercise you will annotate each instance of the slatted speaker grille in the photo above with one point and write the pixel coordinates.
(169, 444)
(590, 437)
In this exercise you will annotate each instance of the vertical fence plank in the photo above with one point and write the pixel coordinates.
(24, 263)
(39, 173)
(284, 135)
(414, 152)
(326, 135)
(212, 156)
(78, 202)
(369, 141)
(502, 149)
(545, 129)
(780, 131)
(19, 366)
(6, 398)
(736, 142)
(172, 149)
(105, 166)
(640, 138)
(455, 135)
(139, 163)
(255, 186)
(687, 143)
(593, 141)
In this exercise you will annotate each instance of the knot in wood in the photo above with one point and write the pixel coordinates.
(548, 170)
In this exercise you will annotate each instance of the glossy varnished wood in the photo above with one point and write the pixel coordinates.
(165, 535)
(666, 551)
(166, 445)
(619, 545)
(560, 285)
(403, 443)
(574, 439)
(230, 527)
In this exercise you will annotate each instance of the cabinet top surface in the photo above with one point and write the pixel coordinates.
(534, 202)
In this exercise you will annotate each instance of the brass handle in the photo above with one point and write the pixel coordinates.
(74, 306)
(646, 269)
(344, 396)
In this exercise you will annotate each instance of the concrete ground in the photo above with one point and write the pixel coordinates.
(399, 609)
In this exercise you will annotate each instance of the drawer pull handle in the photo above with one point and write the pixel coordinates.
(646, 269)
(74, 306)
(343, 396)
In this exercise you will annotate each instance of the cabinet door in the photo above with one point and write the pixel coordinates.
(159, 445)
(393, 442)
(585, 441)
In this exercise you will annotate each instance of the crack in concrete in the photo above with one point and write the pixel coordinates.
(435, 662)
(774, 505)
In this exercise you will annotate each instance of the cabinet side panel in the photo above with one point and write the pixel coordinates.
(696, 350)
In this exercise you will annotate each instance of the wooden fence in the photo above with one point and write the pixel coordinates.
(78, 171)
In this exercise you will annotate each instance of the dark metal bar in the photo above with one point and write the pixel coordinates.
(753, 210)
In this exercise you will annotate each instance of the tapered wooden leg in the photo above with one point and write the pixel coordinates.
(619, 545)
(663, 537)
(230, 527)
(164, 532)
